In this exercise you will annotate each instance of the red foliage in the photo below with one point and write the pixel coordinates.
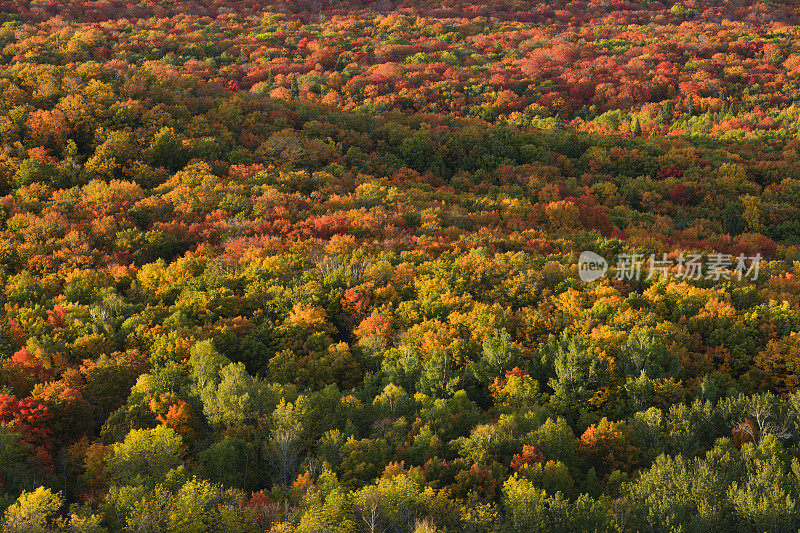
(58, 316)
(31, 419)
(328, 225)
(267, 511)
(529, 455)
(478, 480)
(607, 447)
(355, 302)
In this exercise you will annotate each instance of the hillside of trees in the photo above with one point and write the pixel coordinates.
(312, 266)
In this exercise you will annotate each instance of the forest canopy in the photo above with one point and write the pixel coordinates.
(314, 266)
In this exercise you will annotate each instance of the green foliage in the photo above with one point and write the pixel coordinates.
(200, 506)
(15, 461)
(269, 272)
(33, 170)
(531, 509)
(229, 461)
(145, 456)
(167, 150)
(237, 398)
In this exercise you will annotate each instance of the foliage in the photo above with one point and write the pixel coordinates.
(314, 266)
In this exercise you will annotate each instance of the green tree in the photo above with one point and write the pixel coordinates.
(145, 456)
(679, 494)
(439, 376)
(555, 440)
(766, 498)
(16, 471)
(284, 444)
(166, 150)
(237, 398)
(500, 354)
(362, 460)
(645, 352)
(578, 374)
(392, 401)
(530, 509)
(636, 127)
(390, 504)
(205, 363)
(202, 506)
(138, 508)
(229, 461)
(331, 512)
(33, 170)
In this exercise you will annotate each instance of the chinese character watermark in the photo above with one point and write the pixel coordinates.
(716, 267)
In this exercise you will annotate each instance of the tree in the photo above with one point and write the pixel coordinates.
(111, 155)
(362, 460)
(330, 512)
(138, 508)
(516, 392)
(636, 127)
(679, 493)
(72, 415)
(34, 512)
(424, 526)
(284, 445)
(201, 506)
(530, 509)
(48, 128)
(438, 377)
(762, 418)
(766, 497)
(607, 447)
(391, 503)
(87, 523)
(644, 352)
(30, 418)
(556, 440)
(205, 363)
(177, 414)
(229, 462)
(145, 456)
(16, 471)
(106, 381)
(238, 398)
(167, 150)
(392, 401)
(35, 170)
(552, 476)
(499, 355)
(579, 373)
(780, 358)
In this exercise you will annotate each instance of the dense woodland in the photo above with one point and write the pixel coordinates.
(312, 266)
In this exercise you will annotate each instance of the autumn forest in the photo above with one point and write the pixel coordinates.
(319, 266)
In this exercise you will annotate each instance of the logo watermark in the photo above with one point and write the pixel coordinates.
(592, 266)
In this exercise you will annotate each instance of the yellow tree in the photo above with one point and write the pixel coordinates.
(33, 512)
